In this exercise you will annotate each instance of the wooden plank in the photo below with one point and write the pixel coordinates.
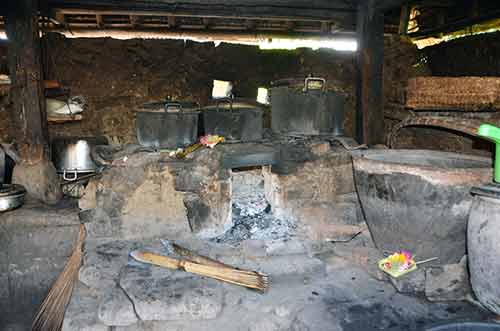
(369, 93)
(28, 109)
(199, 34)
(64, 118)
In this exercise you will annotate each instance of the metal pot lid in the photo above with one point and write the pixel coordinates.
(9, 190)
(161, 106)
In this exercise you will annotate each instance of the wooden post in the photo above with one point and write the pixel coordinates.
(370, 58)
(404, 18)
(27, 94)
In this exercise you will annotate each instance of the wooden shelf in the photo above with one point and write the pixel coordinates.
(64, 118)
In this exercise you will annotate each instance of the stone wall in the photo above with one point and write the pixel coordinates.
(318, 193)
(149, 195)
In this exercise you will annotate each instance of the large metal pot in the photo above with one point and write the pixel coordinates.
(310, 111)
(233, 121)
(167, 124)
(419, 200)
(72, 155)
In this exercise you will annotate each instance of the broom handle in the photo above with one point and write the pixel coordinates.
(171, 263)
(162, 261)
(186, 253)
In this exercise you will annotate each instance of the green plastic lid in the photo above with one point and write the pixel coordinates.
(492, 133)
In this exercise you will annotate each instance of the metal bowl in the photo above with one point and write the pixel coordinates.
(11, 196)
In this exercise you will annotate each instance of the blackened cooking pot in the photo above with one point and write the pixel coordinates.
(233, 121)
(167, 124)
(312, 110)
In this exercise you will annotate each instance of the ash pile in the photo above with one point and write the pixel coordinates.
(251, 213)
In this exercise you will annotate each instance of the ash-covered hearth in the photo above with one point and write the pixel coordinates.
(252, 214)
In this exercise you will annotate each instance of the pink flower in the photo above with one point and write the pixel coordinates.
(407, 255)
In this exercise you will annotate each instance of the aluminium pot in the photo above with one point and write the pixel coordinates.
(483, 245)
(167, 124)
(419, 200)
(72, 155)
(235, 122)
(312, 110)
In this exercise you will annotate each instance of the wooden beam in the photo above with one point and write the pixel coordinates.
(135, 21)
(171, 22)
(59, 16)
(369, 93)
(196, 34)
(206, 22)
(28, 100)
(275, 10)
(99, 20)
(250, 24)
(404, 18)
(325, 27)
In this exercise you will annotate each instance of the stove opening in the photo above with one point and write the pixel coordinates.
(251, 212)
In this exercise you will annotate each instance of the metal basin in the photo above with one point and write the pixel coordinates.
(11, 196)
(419, 200)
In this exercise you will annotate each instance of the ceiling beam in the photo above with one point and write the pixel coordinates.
(454, 26)
(246, 9)
(197, 34)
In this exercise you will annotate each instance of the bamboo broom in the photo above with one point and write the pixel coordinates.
(191, 256)
(250, 279)
(50, 315)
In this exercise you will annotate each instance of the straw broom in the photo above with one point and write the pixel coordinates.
(51, 313)
(250, 279)
(193, 257)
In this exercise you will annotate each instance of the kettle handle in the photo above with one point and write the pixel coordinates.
(222, 100)
(70, 179)
(172, 105)
(314, 79)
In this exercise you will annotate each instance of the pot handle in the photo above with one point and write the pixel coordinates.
(173, 105)
(222, 100)
(314, 79)
(70, 179)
